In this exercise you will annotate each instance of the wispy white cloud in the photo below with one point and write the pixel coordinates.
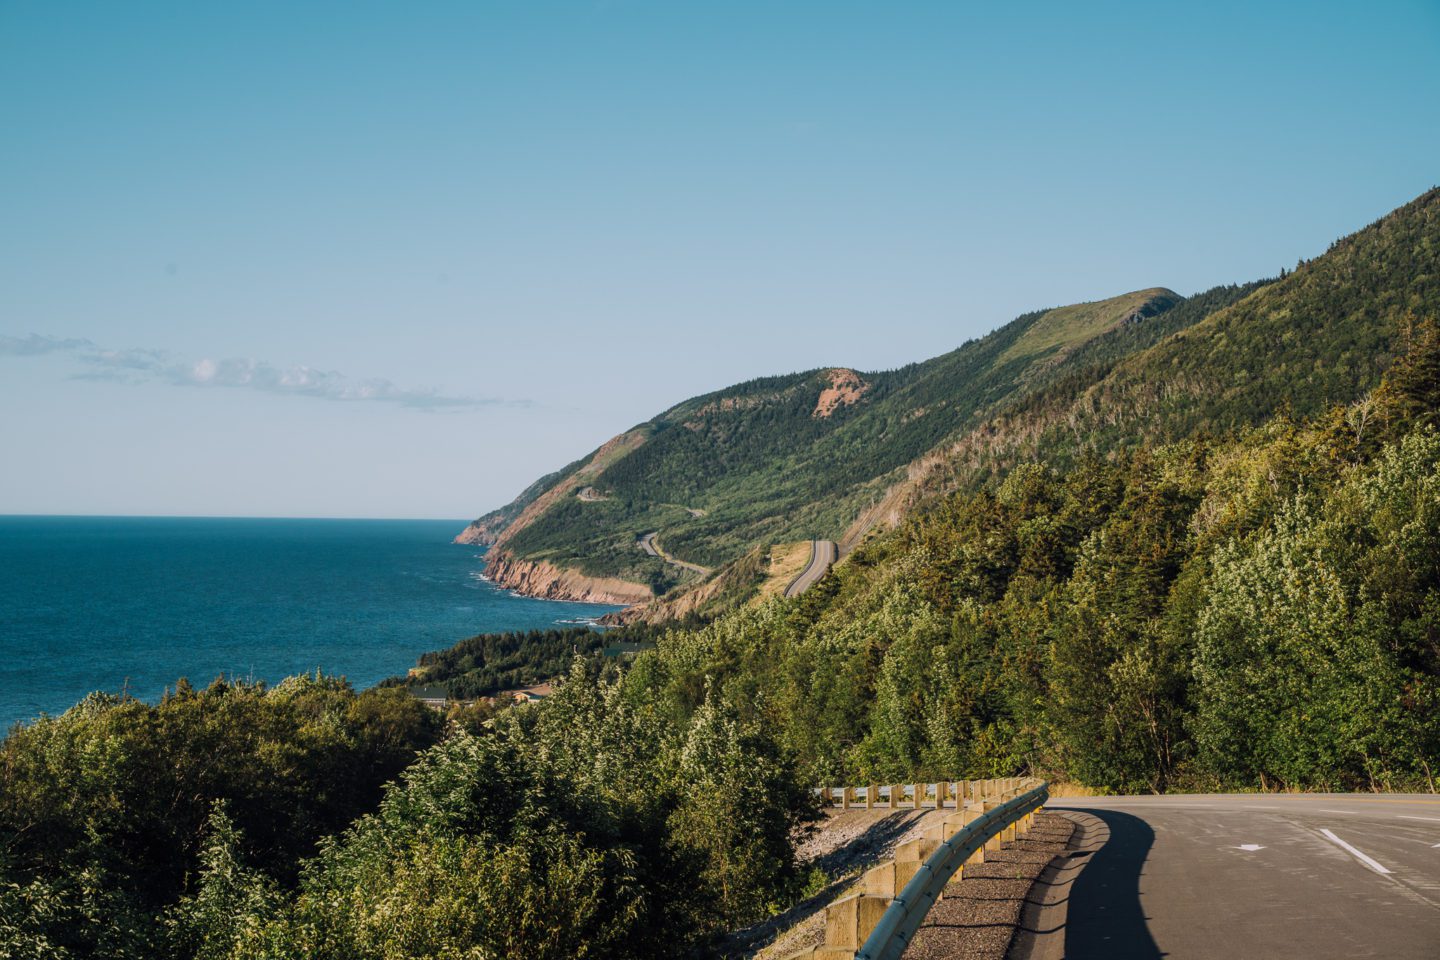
(136, 365)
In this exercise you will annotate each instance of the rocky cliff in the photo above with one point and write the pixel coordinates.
(539, 578)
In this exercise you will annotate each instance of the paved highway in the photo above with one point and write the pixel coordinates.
(1242, 876)
(822, 555)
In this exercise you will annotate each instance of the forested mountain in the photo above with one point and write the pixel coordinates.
(798, 457)
(835, 453)
(1245, 612)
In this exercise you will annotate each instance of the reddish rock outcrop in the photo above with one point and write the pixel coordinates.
(538, 578)
(845, 388)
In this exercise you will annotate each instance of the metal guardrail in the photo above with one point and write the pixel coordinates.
(896, 927)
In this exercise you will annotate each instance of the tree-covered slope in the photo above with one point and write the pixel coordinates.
(1318, 336)
(1251, 612)
(835, 453)
(798, 456)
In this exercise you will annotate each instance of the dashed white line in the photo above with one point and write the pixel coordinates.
(1405, 817)
(1368, 861)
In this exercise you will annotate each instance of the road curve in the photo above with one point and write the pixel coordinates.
(1206, 877)
(648, 544)
(822, 556)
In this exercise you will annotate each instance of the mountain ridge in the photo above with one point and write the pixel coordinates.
(836, 453)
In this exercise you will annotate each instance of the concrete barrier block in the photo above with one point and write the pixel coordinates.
(880, 881)
(888, 879)
(849, 920)
(917, 850)
(905, 872)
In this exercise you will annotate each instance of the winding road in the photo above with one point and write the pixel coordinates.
(648, 544)
(1206, 877)
(822, 557)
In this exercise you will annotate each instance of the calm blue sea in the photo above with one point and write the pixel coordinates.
(112, 603)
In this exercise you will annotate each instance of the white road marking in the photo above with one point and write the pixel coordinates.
(1369, 862)
(1252, 847)
(1404, 817)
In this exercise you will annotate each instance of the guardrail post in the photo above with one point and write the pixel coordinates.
(896, 792)
(889, 878)
(870, 792)
(974, 812)
(994, 842)
(846, 795)
(919, 795)
(849, 920)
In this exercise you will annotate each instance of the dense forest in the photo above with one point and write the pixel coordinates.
(485, 665)
(239, 822)
(1256, 612)
(1218, 568)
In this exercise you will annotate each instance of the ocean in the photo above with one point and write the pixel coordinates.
(133, 603)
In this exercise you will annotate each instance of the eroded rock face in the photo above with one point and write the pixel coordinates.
(538, 578)
(482, 532)
(845, 388)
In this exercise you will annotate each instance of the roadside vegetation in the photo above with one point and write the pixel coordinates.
(310, 821)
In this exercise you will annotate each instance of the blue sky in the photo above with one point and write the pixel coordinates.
(381, 259)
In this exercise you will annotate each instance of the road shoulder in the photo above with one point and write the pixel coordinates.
(980, 914)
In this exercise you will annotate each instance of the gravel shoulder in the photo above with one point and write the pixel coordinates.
(979, 915)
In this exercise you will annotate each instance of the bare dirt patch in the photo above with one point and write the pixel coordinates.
(845, 388)
(786, 562)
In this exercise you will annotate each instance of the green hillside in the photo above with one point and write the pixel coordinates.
(768, 461)
(1232, 358)
(1250, 612)
(833, 453)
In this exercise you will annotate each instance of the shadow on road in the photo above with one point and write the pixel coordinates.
(1105, 918)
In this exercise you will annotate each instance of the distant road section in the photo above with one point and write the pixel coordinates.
(822, 557)
(648, 544)
(1280, 877)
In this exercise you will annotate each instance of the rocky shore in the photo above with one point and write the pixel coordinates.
(538, 578)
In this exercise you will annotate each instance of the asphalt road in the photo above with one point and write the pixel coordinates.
(648, 544)
(822, 555)
(1241, 876)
